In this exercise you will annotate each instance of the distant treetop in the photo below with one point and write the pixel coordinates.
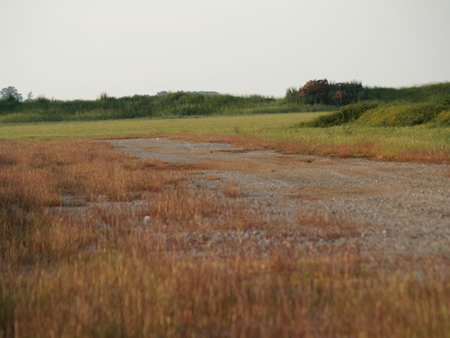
(10, 93)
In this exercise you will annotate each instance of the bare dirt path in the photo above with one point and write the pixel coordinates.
(396, 208)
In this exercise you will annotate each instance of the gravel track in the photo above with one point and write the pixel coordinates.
(395, 209)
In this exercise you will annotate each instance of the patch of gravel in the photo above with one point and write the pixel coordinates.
(396, 208)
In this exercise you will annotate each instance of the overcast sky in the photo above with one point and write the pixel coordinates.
(70, 49)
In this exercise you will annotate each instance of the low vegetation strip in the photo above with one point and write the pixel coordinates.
(171, 105)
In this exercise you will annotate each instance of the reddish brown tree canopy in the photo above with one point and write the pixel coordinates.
(314, 90)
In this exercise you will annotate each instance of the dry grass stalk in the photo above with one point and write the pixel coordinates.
(233, 190)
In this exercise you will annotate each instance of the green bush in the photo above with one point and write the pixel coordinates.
(9, 104)
(398, 115)
(346, 114)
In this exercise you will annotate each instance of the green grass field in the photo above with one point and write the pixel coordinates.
(221, 125)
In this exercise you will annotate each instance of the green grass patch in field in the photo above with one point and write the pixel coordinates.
(217, 125)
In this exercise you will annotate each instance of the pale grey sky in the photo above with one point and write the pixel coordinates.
(70, 49)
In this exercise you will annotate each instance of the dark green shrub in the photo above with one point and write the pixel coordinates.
(9, 105)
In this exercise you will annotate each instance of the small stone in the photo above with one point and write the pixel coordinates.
(146, 219)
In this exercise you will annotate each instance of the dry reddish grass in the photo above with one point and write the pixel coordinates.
(101, 271)
(370, 150)
(332, 227)
(233, 190)
(425, 156)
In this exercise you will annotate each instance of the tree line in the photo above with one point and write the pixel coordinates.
(315, 95)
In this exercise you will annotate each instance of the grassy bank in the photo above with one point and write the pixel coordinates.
(377, 114)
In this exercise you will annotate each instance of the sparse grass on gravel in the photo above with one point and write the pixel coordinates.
(99, 270)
